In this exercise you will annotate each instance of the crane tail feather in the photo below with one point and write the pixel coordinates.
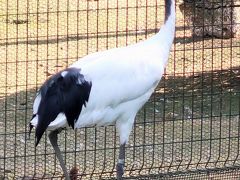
(65, 92)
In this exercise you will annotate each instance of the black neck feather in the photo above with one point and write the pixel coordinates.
(168, 4)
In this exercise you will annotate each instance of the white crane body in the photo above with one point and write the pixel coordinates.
(107, 87)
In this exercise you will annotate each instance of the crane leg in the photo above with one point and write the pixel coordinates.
(120, 164)
(53, 137)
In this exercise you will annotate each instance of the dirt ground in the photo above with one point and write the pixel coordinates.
(198, 98)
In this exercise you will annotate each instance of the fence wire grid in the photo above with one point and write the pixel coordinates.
(189, 129)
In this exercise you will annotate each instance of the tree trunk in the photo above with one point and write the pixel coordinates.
(215, 18)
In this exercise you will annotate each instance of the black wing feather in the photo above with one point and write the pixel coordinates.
(62, 94)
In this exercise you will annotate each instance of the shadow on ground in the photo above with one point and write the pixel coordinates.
(202, 95)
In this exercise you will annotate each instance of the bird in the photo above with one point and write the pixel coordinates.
(104, 88)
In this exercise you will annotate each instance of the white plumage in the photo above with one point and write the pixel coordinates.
(121, 81)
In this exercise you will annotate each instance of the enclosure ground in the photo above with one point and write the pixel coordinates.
(190, 123)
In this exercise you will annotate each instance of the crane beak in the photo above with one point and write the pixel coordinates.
(30, 127)
(30, 130)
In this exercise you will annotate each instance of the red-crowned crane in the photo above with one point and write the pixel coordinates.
(104, 88)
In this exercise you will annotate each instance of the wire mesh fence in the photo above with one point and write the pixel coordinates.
(189, 128)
